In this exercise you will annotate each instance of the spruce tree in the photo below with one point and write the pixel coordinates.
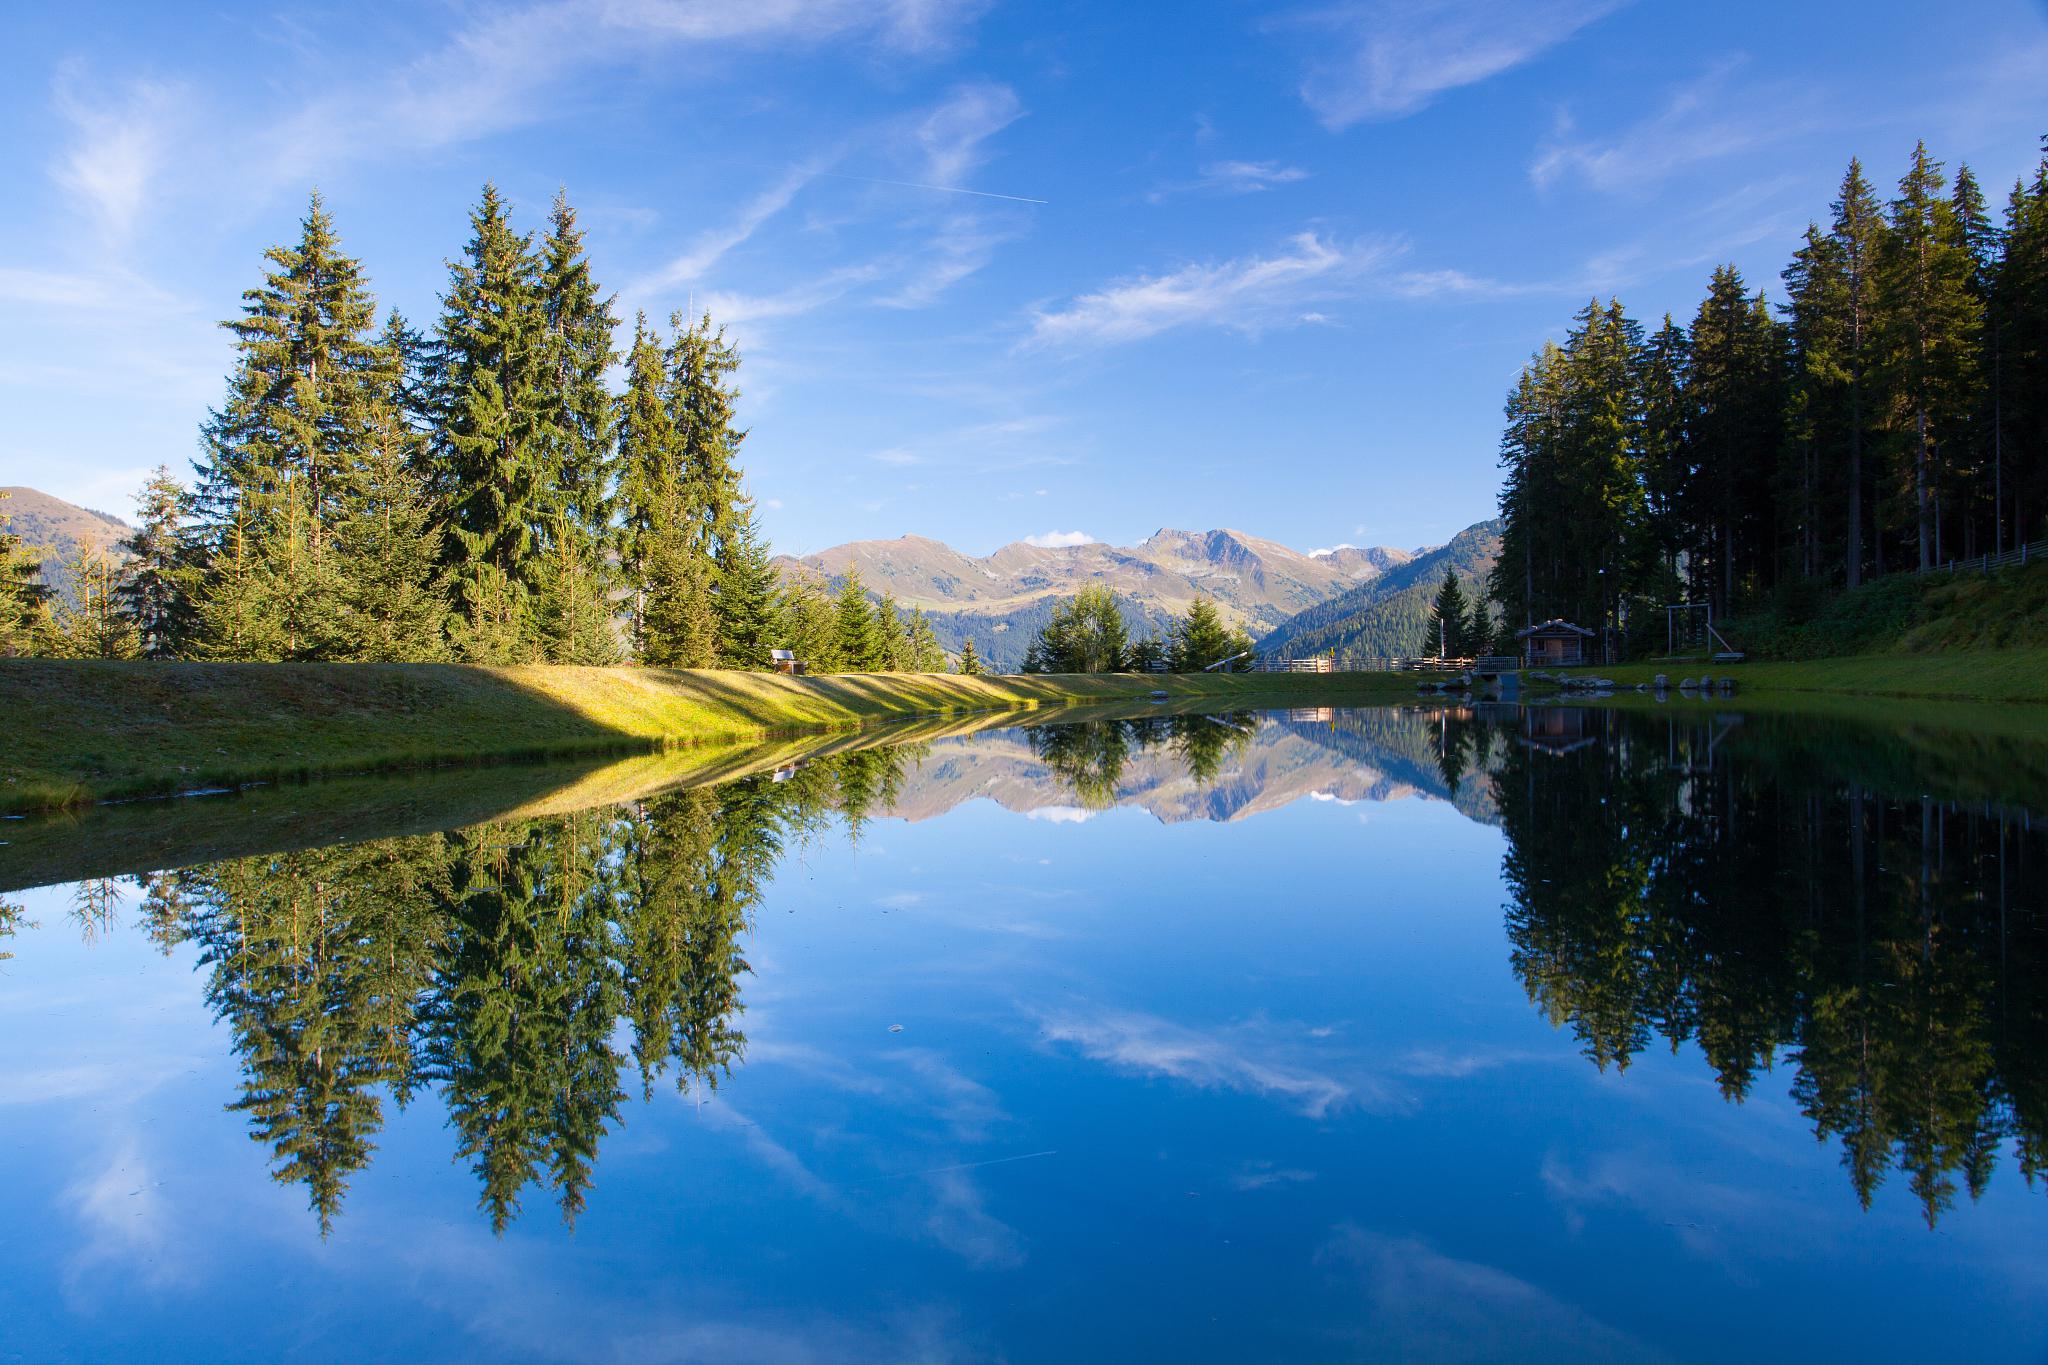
(1857, 235)
(970, 663)
(1199, 638)
(573, 440)
(922, 652)
(1450, 620)
(891, 636)
(391, 566)
(1928, 335)
(487, 371)
(1734, 431)
(749, 597)
(154, 592)
(275, 454)
(91, 623)
(861, 647)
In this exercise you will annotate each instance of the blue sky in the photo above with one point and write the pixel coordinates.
(999, 269)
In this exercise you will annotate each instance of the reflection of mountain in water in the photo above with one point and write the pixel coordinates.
(1385, 754)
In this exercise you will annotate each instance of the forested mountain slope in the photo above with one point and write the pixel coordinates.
(1388, 617)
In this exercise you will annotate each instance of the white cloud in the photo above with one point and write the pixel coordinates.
(895, 455)
(1059, 540)
(1061, 815)
(1330, 550)
(119, 149)
(515, 65)
(1395, 56)
(711, 245)
(1703, 120)
(1250, 294)
(952, 134)
(1233, 177)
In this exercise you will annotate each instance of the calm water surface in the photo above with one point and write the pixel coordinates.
(1398, 1034)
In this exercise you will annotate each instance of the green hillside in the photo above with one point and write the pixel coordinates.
(1388, 617)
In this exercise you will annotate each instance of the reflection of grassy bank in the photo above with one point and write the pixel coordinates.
(2004, 675)
(81, 731)
(128, 837)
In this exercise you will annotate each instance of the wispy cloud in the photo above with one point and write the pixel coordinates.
(118, 148)
(1250, 294)
(1059, 540)
(953, 133)
(1233, 177)
(1704, 120)
(710, 246)
(895, 455)
(515, 65)
(1393, 57)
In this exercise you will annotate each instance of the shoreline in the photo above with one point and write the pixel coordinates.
(90, 731)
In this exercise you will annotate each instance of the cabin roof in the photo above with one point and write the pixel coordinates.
(782, 654)
(1553, 627)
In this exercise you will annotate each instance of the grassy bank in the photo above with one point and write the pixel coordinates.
(83, 731)
(2000, 675)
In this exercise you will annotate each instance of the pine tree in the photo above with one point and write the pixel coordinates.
(1734, 432)
(91, 623)
(1857, 236)
(1450, 619)
(487, 371)
(2020, 384)
(154, 591)
(702, 404)
(392, 591)
(922, 653)
(573, 440)
(1199, 638)
(970, 662)
(651, 476)
(860, 646)
(892, 641)
(678, 626)
(1928, 335)
(276, 453)
(749, 598)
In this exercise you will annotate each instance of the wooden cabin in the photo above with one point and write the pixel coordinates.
(785, 661)
(1554, 644)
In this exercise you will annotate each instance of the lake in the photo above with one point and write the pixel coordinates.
(1694, 1031)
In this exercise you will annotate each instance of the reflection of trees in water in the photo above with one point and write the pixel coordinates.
(1893, 947)
(495, 964)
(1089, 756)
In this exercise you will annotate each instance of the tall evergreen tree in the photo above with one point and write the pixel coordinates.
(861, 645)
(573, 439)
(1734, 432)
(275, 455)
(488, 367)
(1450, 620)
(970, 663)
(749, 597)
(1928, 333)
(922, 652)
(24, 598)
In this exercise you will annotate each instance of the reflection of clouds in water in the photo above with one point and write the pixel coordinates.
(917, 1183)
(121, 1211)
(513, 1297)
(1061, 815)
(1259, 1175)
(1420, 1305)
(1253, 1057)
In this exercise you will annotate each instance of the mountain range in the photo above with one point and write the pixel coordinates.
(1358, 603)
(59, 530)
(1001, 599)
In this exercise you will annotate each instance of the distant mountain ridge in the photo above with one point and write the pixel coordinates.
(1001, 599)
(58, 530)
(1388, 617)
